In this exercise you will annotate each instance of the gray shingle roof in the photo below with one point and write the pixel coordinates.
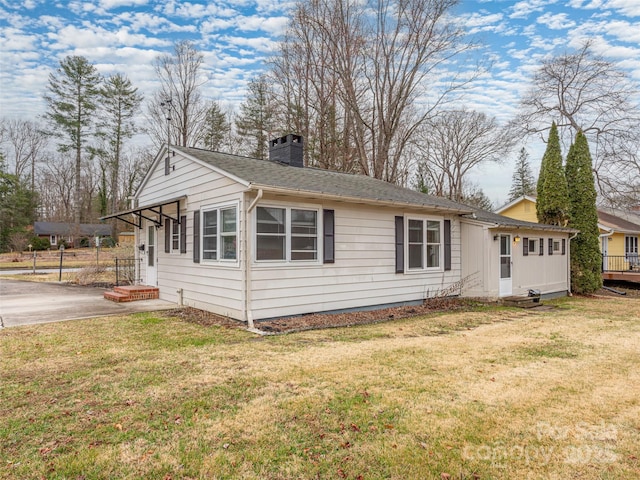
(502, 221)
(277, 175)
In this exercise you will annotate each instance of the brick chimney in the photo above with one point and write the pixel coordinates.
(287, 150)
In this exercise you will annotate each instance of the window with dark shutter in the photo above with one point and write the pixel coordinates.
(551, 246)
(541, 246)
(525, 246)
(564, 246)
(183, 234)
(399, 244)
(328, 224)
(196, 236)
(447, 244)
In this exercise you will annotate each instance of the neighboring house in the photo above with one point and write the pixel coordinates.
(618, 242)
(56, 232)
(256, 239)
(619, 235)
(522, 208)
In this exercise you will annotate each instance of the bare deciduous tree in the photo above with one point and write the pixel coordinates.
(366, 72)
(179, 98)
(26, 144)
(454, 142)
(583, 92)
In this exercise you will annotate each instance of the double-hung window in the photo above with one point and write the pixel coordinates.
(286, 234)
(220, 233)
(175, 236)
(424, 243)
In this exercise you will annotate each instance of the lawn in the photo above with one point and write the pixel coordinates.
(489, 393)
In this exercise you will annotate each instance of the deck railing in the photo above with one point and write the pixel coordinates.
(621, 263)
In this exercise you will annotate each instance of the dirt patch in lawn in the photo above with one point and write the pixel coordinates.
(326, 320)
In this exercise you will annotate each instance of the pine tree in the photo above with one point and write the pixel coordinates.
(120, 102)
(71, 98)
(583, 215)
(552, 205)
(522, 182)
(216, 126)
(257, 117)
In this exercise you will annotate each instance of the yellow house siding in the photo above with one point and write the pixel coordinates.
(524, 210)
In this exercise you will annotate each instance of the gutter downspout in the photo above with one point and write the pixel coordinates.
(569, 264)
(248, 260)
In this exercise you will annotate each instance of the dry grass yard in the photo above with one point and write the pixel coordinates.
(484, 394)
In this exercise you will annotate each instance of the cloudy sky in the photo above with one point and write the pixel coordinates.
(237, 35)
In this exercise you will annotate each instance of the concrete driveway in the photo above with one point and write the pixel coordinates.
(27, 303)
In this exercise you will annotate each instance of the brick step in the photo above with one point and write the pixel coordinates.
(131, 293)
(117, 297)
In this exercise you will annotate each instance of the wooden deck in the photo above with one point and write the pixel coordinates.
(627, 276)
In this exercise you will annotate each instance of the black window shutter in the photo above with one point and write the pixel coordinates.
(564, 246)
(328, 223)
(551, 246)
(541, 246)
(447, 244)
(399, 244)
(183, 234)
(196, 236)
(525, 246)
(167, 236)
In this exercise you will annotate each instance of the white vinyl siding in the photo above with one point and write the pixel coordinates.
(215, 286)
(362, 275)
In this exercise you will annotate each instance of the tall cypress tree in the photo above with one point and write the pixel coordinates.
(583, 215)
(552, 205)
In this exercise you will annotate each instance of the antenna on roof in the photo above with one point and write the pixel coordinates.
(167, 104)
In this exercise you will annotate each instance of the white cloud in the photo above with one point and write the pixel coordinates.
(91, 36)
(558, 21)
(110, 4)
(630, 8)
(526, 7)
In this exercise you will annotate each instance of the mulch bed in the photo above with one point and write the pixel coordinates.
(324, 320)
(334, 320)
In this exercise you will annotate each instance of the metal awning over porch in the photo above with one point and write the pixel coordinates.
(143, 212)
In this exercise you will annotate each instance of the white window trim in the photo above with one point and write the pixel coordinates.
(424, 219)
(53, 240)
(287, 260)
(218, 260)
(173, 251)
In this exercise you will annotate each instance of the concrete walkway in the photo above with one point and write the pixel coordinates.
(27, 303)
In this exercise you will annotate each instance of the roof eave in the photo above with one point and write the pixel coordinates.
(351, 199)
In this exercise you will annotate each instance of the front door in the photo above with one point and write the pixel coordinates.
(152, 256)
(605, 253)
(505, 265)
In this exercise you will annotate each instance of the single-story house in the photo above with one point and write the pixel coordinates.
(619, 235)
(56, 232)
(256, 239)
